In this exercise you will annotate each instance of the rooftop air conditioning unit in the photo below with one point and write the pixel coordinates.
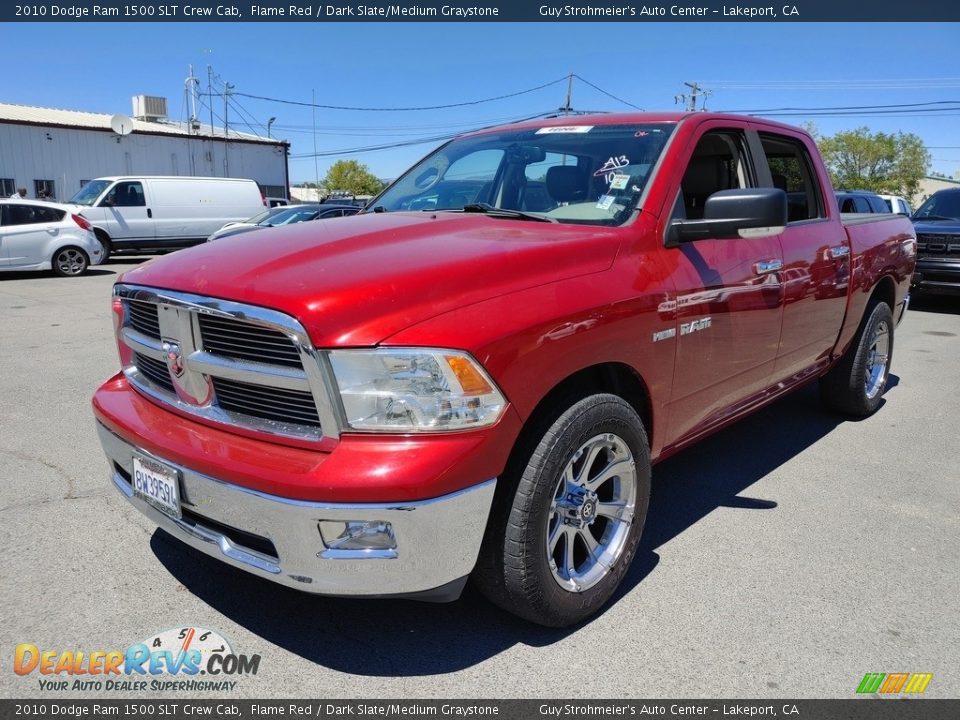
(148, 107)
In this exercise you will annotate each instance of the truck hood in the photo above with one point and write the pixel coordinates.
(356, 281)
(946, 227)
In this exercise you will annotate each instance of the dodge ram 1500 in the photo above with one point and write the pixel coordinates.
(475, 376)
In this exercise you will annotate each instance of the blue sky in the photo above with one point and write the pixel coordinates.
(99, 66)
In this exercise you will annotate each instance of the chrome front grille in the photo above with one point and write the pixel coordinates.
(243, 341)
(226, 362)
(268, 403)
(144, 318)
(155, 371)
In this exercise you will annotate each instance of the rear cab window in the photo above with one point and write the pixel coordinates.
(792, 170)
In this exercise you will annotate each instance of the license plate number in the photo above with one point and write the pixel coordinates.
(158, 485)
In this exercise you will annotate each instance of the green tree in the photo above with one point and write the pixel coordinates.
(352, 177)
(882, 162)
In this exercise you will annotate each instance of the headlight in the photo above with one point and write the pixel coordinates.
(414, 389)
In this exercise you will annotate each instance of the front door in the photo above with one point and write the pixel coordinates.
(126, 215)
(728, 302)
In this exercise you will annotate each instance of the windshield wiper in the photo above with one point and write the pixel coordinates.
(488, 209)
(935, 217)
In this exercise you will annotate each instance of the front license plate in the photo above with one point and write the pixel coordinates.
(158, 484)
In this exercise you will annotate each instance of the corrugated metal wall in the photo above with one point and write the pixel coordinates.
(67, 156)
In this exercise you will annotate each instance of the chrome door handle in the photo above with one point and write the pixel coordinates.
(767, 266)
(839, 251)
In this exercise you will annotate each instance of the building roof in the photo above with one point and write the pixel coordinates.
(55, 117)
(940, 178)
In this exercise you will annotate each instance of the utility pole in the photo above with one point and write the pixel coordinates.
(227, 87)
(316, 166)
(691, 100)
(567, 106)
(213, 166)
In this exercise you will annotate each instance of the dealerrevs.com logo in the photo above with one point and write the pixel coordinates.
(186, 659)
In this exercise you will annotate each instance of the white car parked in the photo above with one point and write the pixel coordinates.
(38, 235)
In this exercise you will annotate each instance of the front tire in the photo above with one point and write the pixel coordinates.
(855, 386)
(105, 245)
(70, 261)
(562, 537)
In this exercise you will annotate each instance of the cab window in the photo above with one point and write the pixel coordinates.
(791, 170)
(125, 194)
(719, 162)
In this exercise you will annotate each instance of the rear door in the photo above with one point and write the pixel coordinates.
(26, 233)
(816, 257)
(728, 300)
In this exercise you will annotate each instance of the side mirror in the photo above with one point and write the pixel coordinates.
(748, 212)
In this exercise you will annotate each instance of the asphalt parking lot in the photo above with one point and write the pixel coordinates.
(784, 557)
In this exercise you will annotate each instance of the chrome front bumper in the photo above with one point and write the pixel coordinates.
(436, 541)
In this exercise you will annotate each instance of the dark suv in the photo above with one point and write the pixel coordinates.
(938, 243)
(860, 201)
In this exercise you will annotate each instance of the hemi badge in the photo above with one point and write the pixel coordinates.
(664, 334)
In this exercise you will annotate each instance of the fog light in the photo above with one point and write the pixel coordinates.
(362, 535)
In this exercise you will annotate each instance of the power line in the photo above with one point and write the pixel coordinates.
(610, 95)
(406, 143)
(869, 84)
(372, 148)
(403, 109)
(849, 107)
(441, 126)
(926, 112)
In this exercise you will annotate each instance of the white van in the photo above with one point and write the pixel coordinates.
(163, 213)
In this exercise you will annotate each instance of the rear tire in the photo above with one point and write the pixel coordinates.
(70, 261)
(856, 384)
(563, 533)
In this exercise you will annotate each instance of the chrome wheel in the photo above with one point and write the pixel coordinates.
(878, 358)
(70, 261)
(591, 512)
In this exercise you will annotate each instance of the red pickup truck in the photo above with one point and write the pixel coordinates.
(475, 375)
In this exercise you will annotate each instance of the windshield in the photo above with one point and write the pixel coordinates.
(944, 205)
(89, 193)
(260, 216)
(572, 174)
(291, 215)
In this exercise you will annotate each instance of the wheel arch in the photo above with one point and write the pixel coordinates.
(884, 290)
(616, 378)
(102, 234)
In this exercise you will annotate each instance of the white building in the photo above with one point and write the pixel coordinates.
(59, 150)
(930, 184)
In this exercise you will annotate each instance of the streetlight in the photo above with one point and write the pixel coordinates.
(269, 123)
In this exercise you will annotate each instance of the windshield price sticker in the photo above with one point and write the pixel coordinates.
(605, 202)
(619, 182)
